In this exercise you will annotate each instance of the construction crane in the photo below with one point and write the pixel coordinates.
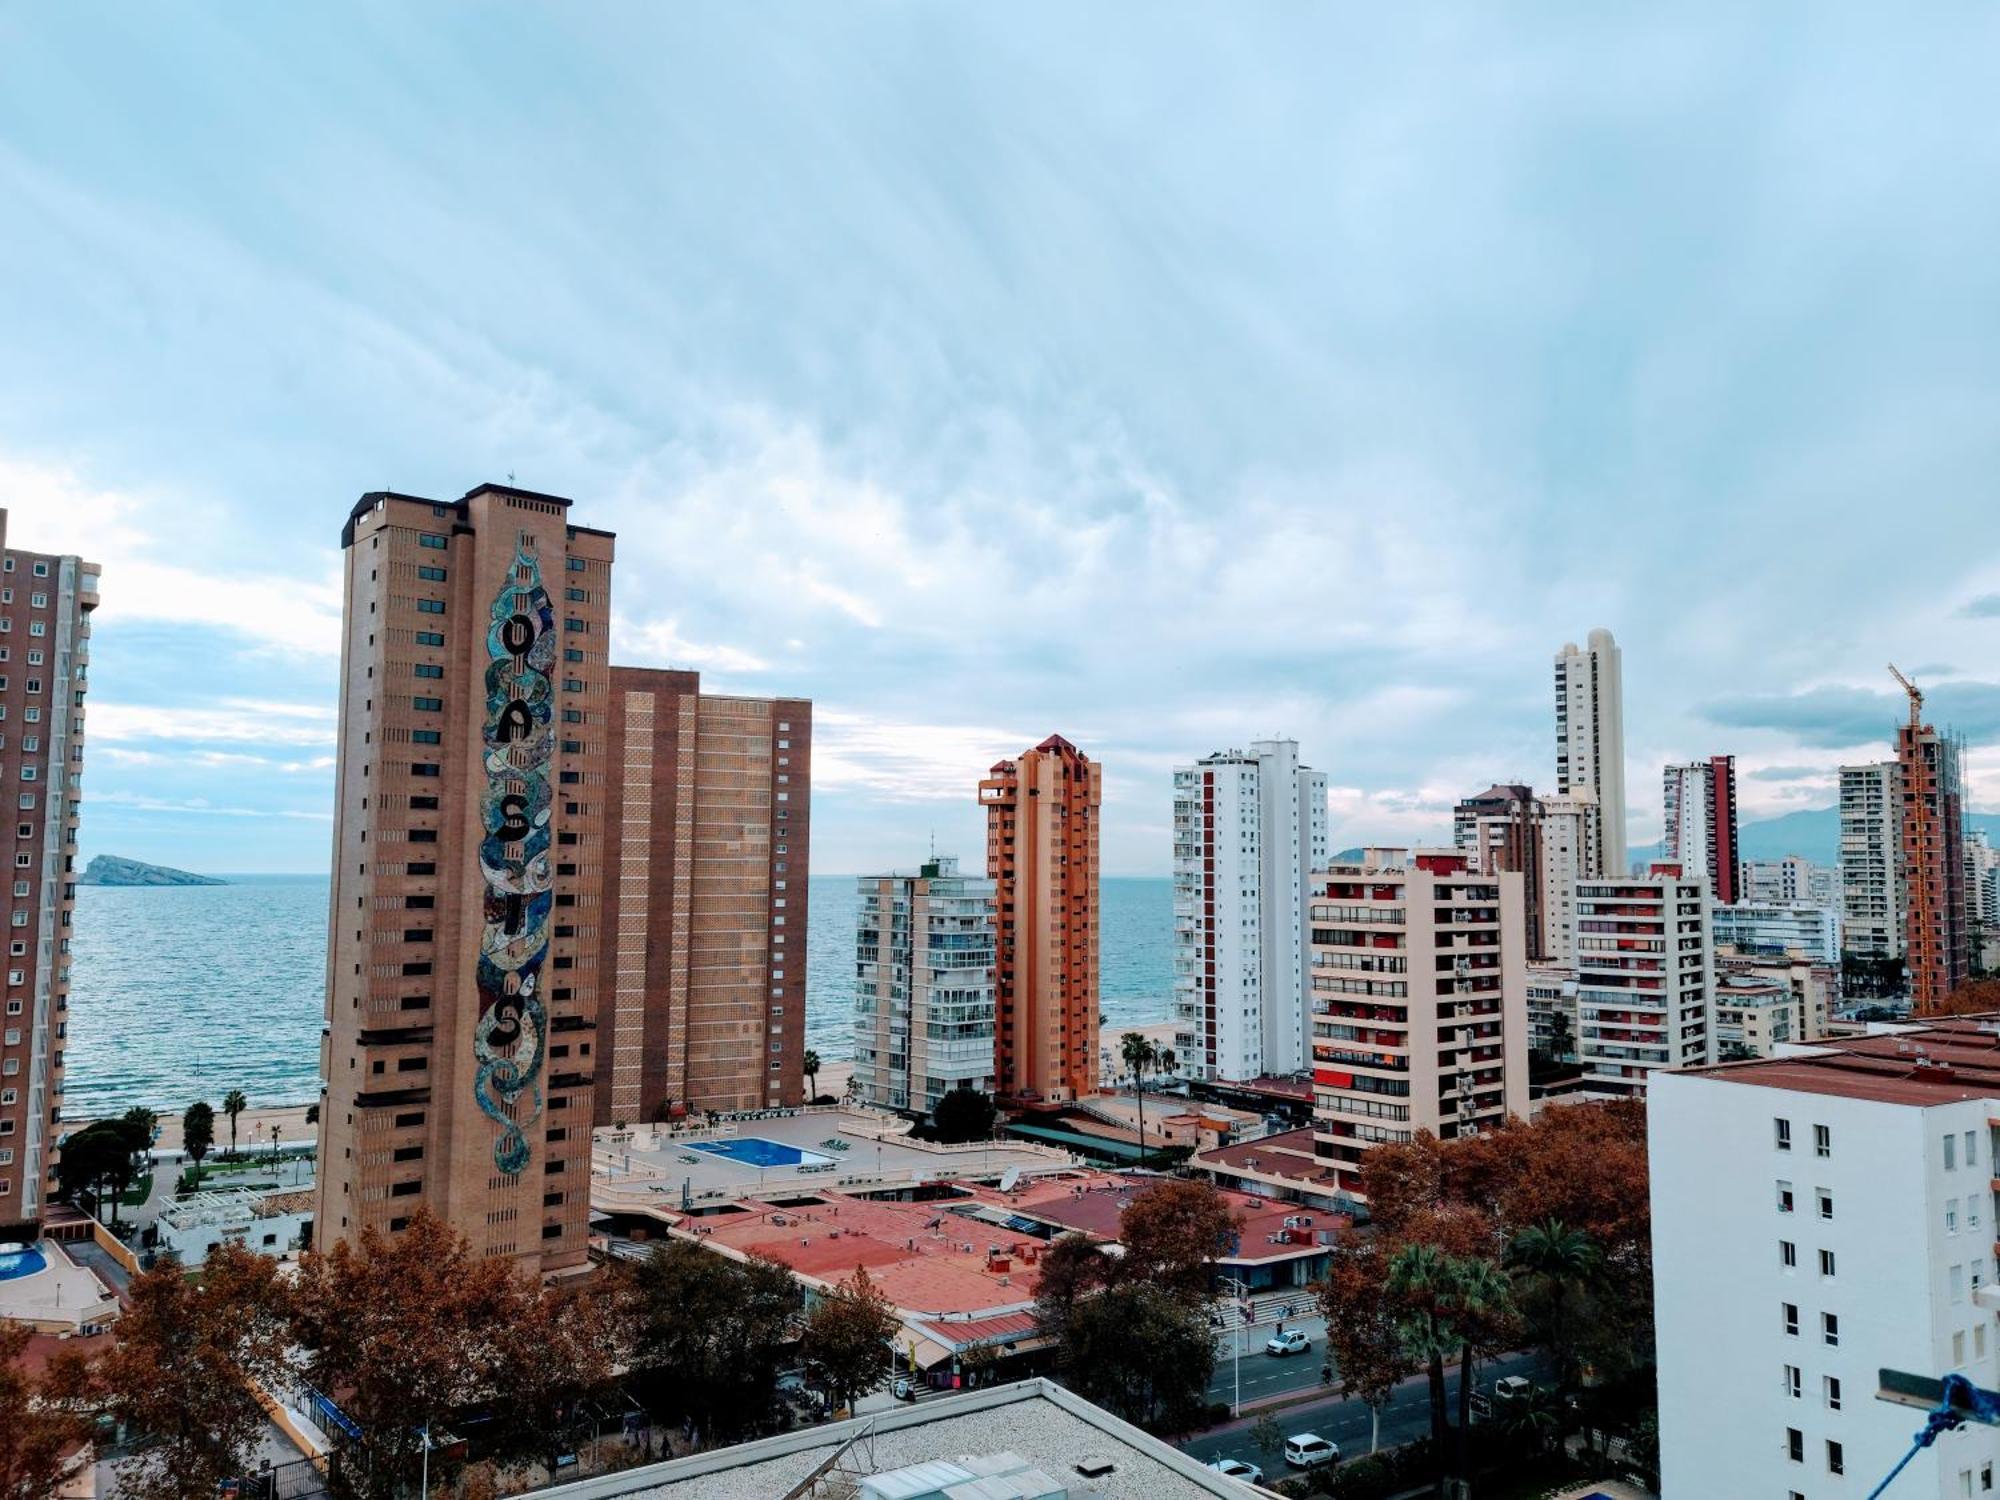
(1916, 696)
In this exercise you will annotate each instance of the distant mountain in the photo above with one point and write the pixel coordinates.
(113, 869)
(1813, 833)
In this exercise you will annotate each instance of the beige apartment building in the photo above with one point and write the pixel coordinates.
(1419, 998)
(463, 961)
(45, 605)
(1041, 854)
(703, 936)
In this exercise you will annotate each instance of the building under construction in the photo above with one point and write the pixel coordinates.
(1936, 937)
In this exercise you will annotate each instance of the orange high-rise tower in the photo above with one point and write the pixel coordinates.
(1041, 853)
(1934, 932)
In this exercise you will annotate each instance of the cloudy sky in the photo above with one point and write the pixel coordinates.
(1166, 376)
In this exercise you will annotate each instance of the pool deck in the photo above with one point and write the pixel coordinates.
(647, 1168)
(60, 1298)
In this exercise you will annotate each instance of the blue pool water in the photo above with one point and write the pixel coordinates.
(755, 1151)
(21, 1263)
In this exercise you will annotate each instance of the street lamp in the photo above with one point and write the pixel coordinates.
(1241, 1294)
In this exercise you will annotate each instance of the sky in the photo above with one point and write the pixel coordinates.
(1166, 376)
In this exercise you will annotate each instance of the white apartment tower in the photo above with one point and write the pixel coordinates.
(1871, 859)
(1568, 851)
(1420, 1003)
(1590, 739)
(1794, 880)
(1249, 830)
(923, 991)
(1819, 1218)
(1645, 977)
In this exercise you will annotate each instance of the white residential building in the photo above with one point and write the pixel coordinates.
(1817, 1219)
(1590, 739)
(1770, 927)
(1793, 879)
(1552, 1011)
(1568, 852)
(1871, 859)
(1249, 829)
(923, 992)
(1645, 977)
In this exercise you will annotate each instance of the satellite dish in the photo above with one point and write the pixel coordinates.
(1009, 1178)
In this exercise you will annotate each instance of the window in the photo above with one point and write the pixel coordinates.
(1829, 1329)
(576, 564)
(426, 737)
(1826, 1263)
(430, 606)
(1836, 1461)
(41, 570)
(1825, 1197)
(1784, 1197)
(430, 637)
(431, 575)
(1951, 1153)
(1951, 1216)
(1793, 1382)
(432, 539)
(424, 768)
(428, 669)
(428, 705)
(1795, 1445)
(1971, 1148)
(1783, 1129)
(1957, 1283)
(1822, 1140)
(1791, 1318)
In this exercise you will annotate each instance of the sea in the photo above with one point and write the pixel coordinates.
(180, 993)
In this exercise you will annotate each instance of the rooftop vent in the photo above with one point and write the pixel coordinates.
(1095, 1467)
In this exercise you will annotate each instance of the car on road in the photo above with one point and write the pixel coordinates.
(1292, 1341)
(1235, 1468)
(1308, 1450)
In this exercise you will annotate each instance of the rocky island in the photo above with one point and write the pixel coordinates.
(113, 869)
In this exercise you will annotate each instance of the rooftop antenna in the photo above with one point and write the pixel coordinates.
(1916, 697)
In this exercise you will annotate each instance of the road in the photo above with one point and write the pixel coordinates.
(1265, 1374)
(1405, 1418)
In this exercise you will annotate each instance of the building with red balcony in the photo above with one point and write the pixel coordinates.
(1419, 1003)
(1645, 977)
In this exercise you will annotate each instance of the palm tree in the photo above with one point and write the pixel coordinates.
(1552, 1261)
(1139, 1054)
(233, 1104)
(1482, 1298)
(812, 1071)
(1168, 1062)
(1420, 1278)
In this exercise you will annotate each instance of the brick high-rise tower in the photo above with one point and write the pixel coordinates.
(45, 605)
(1041, 853)
(1935, 945)
(463, 958)
(703, 937)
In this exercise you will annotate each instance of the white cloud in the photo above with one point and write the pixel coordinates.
(659, 643)
(137, 802)
(227, 721)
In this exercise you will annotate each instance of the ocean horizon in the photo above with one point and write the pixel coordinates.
(180, 993)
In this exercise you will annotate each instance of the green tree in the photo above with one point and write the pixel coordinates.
(1072, 1268)
(708, 1335)
(1268, 1438)
(1420, 1281)
(198, 1134)
(811, 1066)
(90, 1159)
(964, 1114)
(312, 1113)
(233, 1104)
(848, 1336)
(1139, 1055)
(1483, 1314)
(182, 1369)
(1553, 1267)
(1141, 1351)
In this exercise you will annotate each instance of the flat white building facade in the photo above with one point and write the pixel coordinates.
(1793, 879)
(1817, 1219)
(1568, 854)
(1590, 739)
(1766, 927)
(1872, 887)
(1645, 978)
(1249, 830)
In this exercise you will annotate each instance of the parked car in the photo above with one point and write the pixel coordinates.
(1511, 1388)
(1292, 1341)
(1308, 1450)
(1235, 1468)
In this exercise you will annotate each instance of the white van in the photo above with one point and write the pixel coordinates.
(1311, 1451)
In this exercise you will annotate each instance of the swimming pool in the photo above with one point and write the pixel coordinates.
(20, 1260)
(755, 1151)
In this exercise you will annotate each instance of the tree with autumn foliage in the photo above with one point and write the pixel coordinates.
(848, 1336)
(1972, 998)
(707, 1336)
(181, 1373)
(42, 1425)
(1072, 1267)
(407, 1331)
(1173, 1232)
(1361, 1334)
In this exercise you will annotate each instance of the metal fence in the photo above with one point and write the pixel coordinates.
(299, 1480)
